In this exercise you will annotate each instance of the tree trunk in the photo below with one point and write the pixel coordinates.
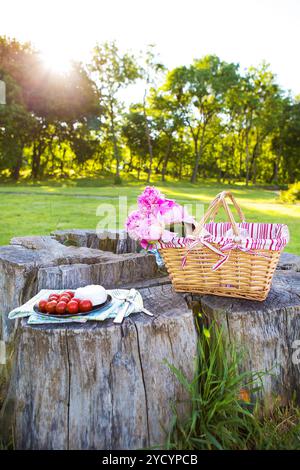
(180, 166)
(130, 164)
(240, 149)
(36, 160)
(252, 163)
(254, 172)
(114, 139)
(276, 165)
(149, 142)
(247, 157)
(198, 155)
(35, 164)
(116, 156)
(17, 168)
(165, 162)
(102, 385)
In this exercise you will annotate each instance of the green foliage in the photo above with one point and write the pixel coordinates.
(291, 195)
(43, 110)
(221, 415)
(218, 418)
(205, 120)
(112, 72)
(200, 91)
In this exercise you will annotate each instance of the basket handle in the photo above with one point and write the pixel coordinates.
(213, 209)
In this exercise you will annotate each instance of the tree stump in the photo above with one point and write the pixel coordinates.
(101, 385)
(116, 241)
(265, 333)
(30, 264)
(289, 262)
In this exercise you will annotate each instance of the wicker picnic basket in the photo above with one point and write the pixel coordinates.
(227, 259)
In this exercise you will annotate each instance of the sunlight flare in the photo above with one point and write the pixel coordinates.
(56, 60)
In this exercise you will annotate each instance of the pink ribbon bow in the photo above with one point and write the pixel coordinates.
(231, 245)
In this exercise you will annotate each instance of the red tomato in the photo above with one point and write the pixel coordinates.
(53, 297)
(72, 307)
(42, 305)
(51, 306)
(70, 293)
(65, 298)
(67, 294)
(76, 300)
(85, 305)
(61, 307)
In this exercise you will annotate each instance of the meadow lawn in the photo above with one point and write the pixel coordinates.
(39, 209)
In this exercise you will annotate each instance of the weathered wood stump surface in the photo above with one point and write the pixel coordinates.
(33, 263)
(116, 241)
(101, 385)
(265, 332)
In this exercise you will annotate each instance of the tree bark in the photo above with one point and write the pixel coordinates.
(34, 163)
(198, 155)
(36, 160)
(114, 139)
(165, 161)
(252, 163)
(149, 142)
(17, 167)
(276, 165)
(247, 157)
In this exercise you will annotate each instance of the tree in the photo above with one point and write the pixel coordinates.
(150, 71)
(200, 90)
(16, 125)
(287, 142)
(112, 72)
(61, 104)
(134, 131)
(255, 106)
(167, 122)
(39, 102)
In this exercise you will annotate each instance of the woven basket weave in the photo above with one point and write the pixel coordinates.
(245, 274)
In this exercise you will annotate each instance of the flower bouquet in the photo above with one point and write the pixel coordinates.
(152, 220)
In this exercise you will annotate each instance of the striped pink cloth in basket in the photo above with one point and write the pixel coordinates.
(255, 236)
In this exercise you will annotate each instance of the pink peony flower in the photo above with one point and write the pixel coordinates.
(177, 214)
(149, 197)
(152, 200)
(147, 224)
(132, 224)
(133, 220)
(144, 226)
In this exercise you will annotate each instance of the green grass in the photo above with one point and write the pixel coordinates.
(38, 209)
(222, 415)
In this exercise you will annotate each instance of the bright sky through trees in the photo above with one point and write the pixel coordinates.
(236, 30)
